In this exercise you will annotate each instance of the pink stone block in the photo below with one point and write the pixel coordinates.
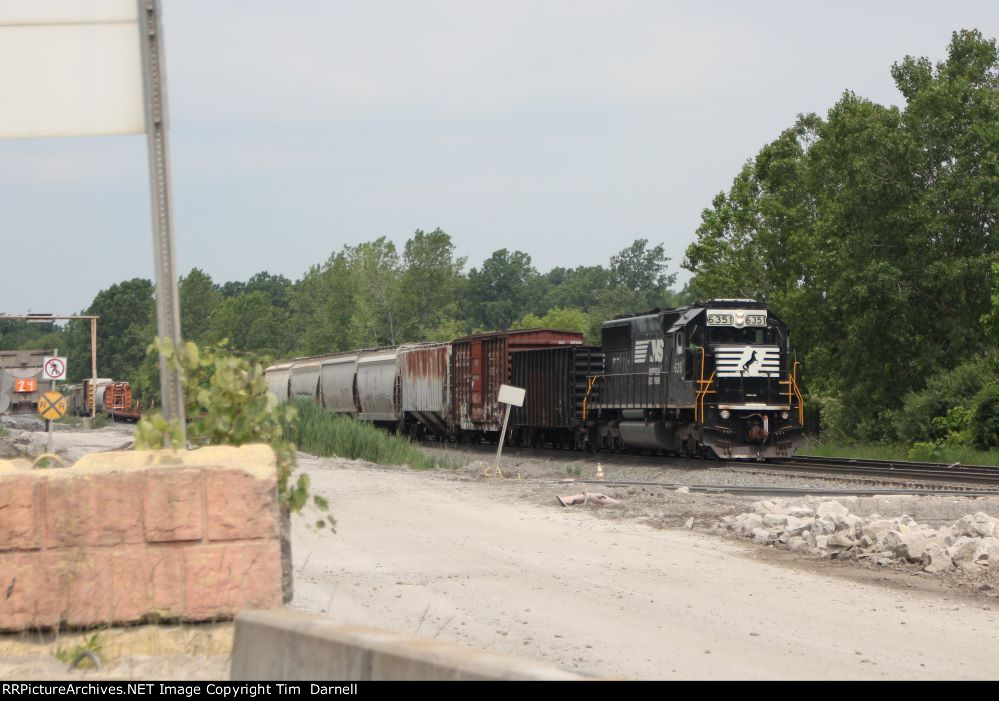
(240, 506)
(146, 581)
(26, 598)
(82, 576)
(173, 505)
(20, 512)
(222, 578)
(102, 509)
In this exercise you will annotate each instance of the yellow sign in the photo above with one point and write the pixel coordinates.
(52, 406)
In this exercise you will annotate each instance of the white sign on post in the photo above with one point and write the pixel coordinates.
(511, 395)
(54, 368)
(70, 68)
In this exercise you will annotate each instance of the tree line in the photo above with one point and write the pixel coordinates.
(363, 296)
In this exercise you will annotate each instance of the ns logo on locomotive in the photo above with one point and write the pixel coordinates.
(717, 378)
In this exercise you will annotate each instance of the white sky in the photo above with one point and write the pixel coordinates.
(563, 129)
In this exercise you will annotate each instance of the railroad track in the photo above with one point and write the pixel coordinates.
(743, 490)
(899, 469)
(950, 478)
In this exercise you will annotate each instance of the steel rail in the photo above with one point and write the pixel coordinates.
(784, 491)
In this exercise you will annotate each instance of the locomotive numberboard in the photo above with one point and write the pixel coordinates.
(739, 318)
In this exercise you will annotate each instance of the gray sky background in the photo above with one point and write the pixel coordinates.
(563, 129)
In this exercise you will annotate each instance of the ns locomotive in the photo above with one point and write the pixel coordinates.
(714, 379)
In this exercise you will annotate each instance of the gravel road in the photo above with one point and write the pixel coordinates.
(492, 564)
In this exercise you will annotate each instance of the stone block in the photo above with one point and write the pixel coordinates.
(147, 582)
(20, 512)
(222, 578)
(240, 505)
(93, 509)
(173, 505)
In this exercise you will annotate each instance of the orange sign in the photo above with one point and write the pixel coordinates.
(25, 385)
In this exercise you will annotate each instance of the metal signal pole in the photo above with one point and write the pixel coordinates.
(157, 129)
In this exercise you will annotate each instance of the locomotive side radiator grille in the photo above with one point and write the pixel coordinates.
(747, 361)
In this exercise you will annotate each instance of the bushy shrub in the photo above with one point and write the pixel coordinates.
(943, 391)
(984, 423)
(228, 403)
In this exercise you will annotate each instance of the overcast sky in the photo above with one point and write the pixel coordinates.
(563, 129)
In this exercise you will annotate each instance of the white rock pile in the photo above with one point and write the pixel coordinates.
(827, 528)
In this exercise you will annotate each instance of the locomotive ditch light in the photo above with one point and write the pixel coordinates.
(725, 414)
(784, 415)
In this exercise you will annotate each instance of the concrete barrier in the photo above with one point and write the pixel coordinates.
(125, 536)
(281, 645)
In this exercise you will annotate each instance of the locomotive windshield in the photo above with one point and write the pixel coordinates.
(747, 336)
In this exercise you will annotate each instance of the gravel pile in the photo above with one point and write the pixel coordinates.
(827, 528)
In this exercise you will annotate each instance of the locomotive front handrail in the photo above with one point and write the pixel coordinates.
(797, 393)
(703, 389)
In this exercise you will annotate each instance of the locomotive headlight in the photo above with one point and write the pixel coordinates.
(784, 415)
(725, 414)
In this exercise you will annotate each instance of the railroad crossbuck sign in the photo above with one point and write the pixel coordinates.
(52, 406)
(54, 368)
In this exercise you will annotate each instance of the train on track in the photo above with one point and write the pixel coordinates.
(713, 379)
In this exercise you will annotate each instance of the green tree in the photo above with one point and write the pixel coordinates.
(199, 298)
(429, 286)
(251, 323)
(558, 319)
(643, 270)
(126, 326)
(497, 292)
(322, 306)
(376, 275)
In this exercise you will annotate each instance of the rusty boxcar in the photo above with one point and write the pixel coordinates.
(556, 380)
(425, 378)
(481, 363)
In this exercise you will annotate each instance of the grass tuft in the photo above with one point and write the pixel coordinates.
(323, 433)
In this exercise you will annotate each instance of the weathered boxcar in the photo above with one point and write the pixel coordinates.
(481, 363)
(556, 380)
(425, 376)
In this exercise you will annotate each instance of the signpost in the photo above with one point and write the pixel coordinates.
(52, 405)
(74, 68)
(511, 396)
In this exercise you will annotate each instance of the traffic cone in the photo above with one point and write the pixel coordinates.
(600, 471)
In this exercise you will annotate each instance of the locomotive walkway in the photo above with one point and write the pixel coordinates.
(477, 562)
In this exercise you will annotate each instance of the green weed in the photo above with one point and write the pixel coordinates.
(320, 432)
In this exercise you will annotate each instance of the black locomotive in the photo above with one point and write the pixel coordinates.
(716, 378)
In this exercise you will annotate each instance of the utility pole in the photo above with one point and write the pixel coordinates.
(161, 198)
